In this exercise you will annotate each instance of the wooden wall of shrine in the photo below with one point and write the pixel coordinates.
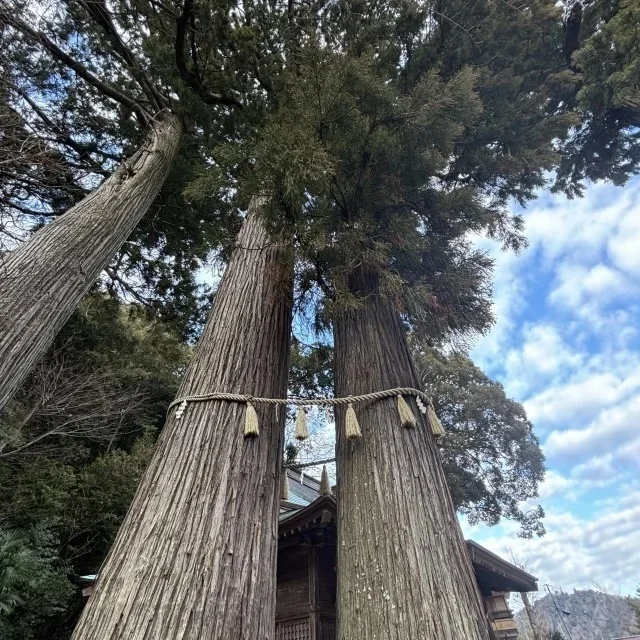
(306, 588)
(306, 596)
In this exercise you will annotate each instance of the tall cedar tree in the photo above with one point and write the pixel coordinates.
(427, 126)
(424, 127)
(484, 150)
(48, 56)
(44, 279)
(196, 554)
(403, 571)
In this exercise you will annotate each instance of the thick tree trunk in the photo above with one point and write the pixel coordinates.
(42, 282)
(196, 555)
(403, 568)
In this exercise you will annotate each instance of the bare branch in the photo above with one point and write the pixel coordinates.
(67, 402)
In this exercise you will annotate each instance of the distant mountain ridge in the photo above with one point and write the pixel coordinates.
(582, 615)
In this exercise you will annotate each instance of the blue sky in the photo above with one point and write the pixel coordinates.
(567, 344)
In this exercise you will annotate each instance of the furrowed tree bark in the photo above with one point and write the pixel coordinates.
(196, 555)
(42, 282)
(403, 568)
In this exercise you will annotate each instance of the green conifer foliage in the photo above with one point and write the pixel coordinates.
(603, 50)
(71, 461)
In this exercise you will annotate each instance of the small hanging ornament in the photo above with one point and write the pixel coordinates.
(352, 428)
(421, 406)
(302, 430)
(250, 421)
(325, 485)
(406, 415)
(284, 485)
(180, 410)
(434, 422)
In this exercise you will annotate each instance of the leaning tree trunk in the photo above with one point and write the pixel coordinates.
(42, 282)
(403, 568)
(196, 555)
(531, 616)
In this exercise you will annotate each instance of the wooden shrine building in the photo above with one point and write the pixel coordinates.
(306, 587)
(306, 596)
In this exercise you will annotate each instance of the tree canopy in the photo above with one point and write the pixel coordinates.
(602, 48)
(391, 129)
(491, 454)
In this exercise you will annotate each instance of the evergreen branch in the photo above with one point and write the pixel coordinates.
(192, 77)
(98, 11)
(75, 65)
(126, 286)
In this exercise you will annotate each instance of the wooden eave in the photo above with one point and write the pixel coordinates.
(514, 579)
(320, 512)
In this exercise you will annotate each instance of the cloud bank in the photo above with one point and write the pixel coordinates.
(566, 344)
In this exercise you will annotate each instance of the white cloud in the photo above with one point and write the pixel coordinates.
(542, 355)
(599, 383)
(586, 290)
(583, 245)
(598, 470)
(567, 344)
(612, 429)
(580, 230)
(623, 245)
(578, 551)
(555, 484)
(508, 300)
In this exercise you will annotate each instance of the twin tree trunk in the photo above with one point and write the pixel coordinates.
(196, 555)
(403, 568)
(42, 282)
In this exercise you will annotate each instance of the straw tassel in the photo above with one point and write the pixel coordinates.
(302, 430)
(325, 485)
(352, 427)
(284, 485)
(406, 415)
(250, 421)
(436, 426)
